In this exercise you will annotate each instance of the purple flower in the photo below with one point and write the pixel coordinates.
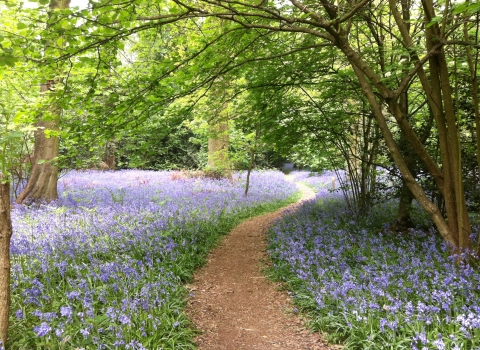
(66, 311)
(59, 332)
(85, 332)
(42, 330)
(73, 295)
(124, 319)
(19, 314)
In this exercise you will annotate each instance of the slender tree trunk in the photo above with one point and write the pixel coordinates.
(404, 219)
(5, 235)
(455, 226)
(475, 99)
(250, 168)
(252, 159)
(472, 66)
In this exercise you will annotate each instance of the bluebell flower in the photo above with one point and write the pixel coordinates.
(125, 320)
(85, 332)
(19, 314)
(42, 330)
(66, 311)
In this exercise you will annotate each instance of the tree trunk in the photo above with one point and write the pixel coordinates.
(472, 66)
(252, 158)
(218, 131)
(109, 157)
(250, 168)
(403, 219)
(5, 235)
(444, 112)
(454, 228)
(42, 184)
(218, 146)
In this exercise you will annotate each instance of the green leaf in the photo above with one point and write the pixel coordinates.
(14, 135)
(8, 60)
(469, 8)
(460, 8)
(434, 20)
(44, 2)
(21, 25)
(475, 7)
(124, 14)
(65, 23)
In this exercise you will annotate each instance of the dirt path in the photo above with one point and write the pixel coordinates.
(235, 306)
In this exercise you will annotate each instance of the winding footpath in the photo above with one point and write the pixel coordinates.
(233, 304)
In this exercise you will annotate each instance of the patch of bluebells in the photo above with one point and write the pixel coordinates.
(371, 288)
(104, 266)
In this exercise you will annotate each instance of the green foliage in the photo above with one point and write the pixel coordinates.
(15, 129)
(467, 7)
(161, 147)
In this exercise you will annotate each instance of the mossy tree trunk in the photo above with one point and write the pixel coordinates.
(218, 132)
(218, 146)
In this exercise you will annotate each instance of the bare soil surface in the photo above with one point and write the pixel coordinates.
(235, 306)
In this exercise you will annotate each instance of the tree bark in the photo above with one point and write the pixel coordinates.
(109, 157)
(472, 66)
(5, 235)
(218, 137)
(404, 219)
(218, 146)
(250, 168)
(444, 112)
(42, 184)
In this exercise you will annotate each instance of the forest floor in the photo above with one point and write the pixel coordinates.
(235, 306)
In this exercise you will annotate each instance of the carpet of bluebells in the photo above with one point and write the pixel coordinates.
(104, 267)
(370, 288)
